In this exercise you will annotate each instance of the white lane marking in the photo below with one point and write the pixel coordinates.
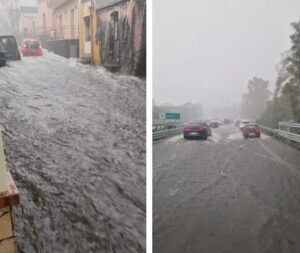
(173, 157)
(235, 136)
(215, 137)
(172, 193)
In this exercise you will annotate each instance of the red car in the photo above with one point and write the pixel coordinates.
(251, 130)
(31, 48)
(196, 131)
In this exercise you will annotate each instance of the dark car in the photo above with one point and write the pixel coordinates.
(251, 130)
(2, 56)
(10, 47)
(196, 131)
(214, 124)
(31, 47)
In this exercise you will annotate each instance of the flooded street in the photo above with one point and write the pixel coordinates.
(226, 194)
(75, 142)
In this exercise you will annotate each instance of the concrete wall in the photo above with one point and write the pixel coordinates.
(132, 35)
(63, 47)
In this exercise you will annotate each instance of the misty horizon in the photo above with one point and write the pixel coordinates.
(209, 52)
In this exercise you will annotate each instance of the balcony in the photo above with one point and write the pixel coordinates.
(52, 33)
(53, 4)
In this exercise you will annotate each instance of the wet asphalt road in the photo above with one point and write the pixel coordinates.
(75, 141)
(226, 195)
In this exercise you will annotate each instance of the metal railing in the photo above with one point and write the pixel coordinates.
(286, 130)
(167, 133)
(51, 33)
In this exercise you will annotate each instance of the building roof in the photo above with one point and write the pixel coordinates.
(101, 4)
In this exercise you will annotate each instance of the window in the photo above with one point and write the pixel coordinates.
(87, 29)
(114, 18)
(44, 22)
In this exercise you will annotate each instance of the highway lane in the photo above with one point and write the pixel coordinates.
(226, 194)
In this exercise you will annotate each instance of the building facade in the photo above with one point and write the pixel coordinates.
(65, 18)
(89, 46)
(121, 33)
(63, 37)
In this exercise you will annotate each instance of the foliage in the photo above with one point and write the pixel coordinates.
(255, 101)
(285, 104)
(292, 66)
(277, 110)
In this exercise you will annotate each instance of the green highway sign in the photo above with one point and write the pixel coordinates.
(169, 115)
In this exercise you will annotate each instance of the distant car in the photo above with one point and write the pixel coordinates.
(227, 121)
(31, 47)
(243, 123)
(10, 47)
(196, 131)
(214, 124)
(251, 130)
(237, 123)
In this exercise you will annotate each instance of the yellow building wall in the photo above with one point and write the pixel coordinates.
(96, 46)
(84, 11)
(81, 30)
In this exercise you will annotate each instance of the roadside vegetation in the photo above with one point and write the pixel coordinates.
(284, 103)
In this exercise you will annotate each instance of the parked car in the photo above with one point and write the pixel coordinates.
(31, 47)
(243, 123)
(251, 130)
(214, 124)
(2, 56)
(196, 131)
(10, 47)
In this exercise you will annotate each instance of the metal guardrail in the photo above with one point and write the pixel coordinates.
(167, 133)
(285, 134)
(289, 124)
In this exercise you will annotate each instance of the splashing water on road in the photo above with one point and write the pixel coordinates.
(75, 142)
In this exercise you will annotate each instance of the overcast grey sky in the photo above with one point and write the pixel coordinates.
(206, 50)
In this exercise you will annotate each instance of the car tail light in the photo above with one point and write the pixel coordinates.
(187, 129)
(257, 130)
(245, 130)
(200, 128)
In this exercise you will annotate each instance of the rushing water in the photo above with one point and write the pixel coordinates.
(75, 142)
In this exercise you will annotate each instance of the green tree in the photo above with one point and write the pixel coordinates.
(255, 101)
(292, 66)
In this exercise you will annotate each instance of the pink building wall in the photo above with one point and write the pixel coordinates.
(36, 26)
(43, 9)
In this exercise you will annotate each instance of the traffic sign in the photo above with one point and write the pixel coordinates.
(162, 115)
(169, 115)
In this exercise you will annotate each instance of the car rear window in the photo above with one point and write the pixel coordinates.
(33, 44)
(252, 126)
(8, 44)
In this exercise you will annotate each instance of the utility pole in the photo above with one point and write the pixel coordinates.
(92, 34)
